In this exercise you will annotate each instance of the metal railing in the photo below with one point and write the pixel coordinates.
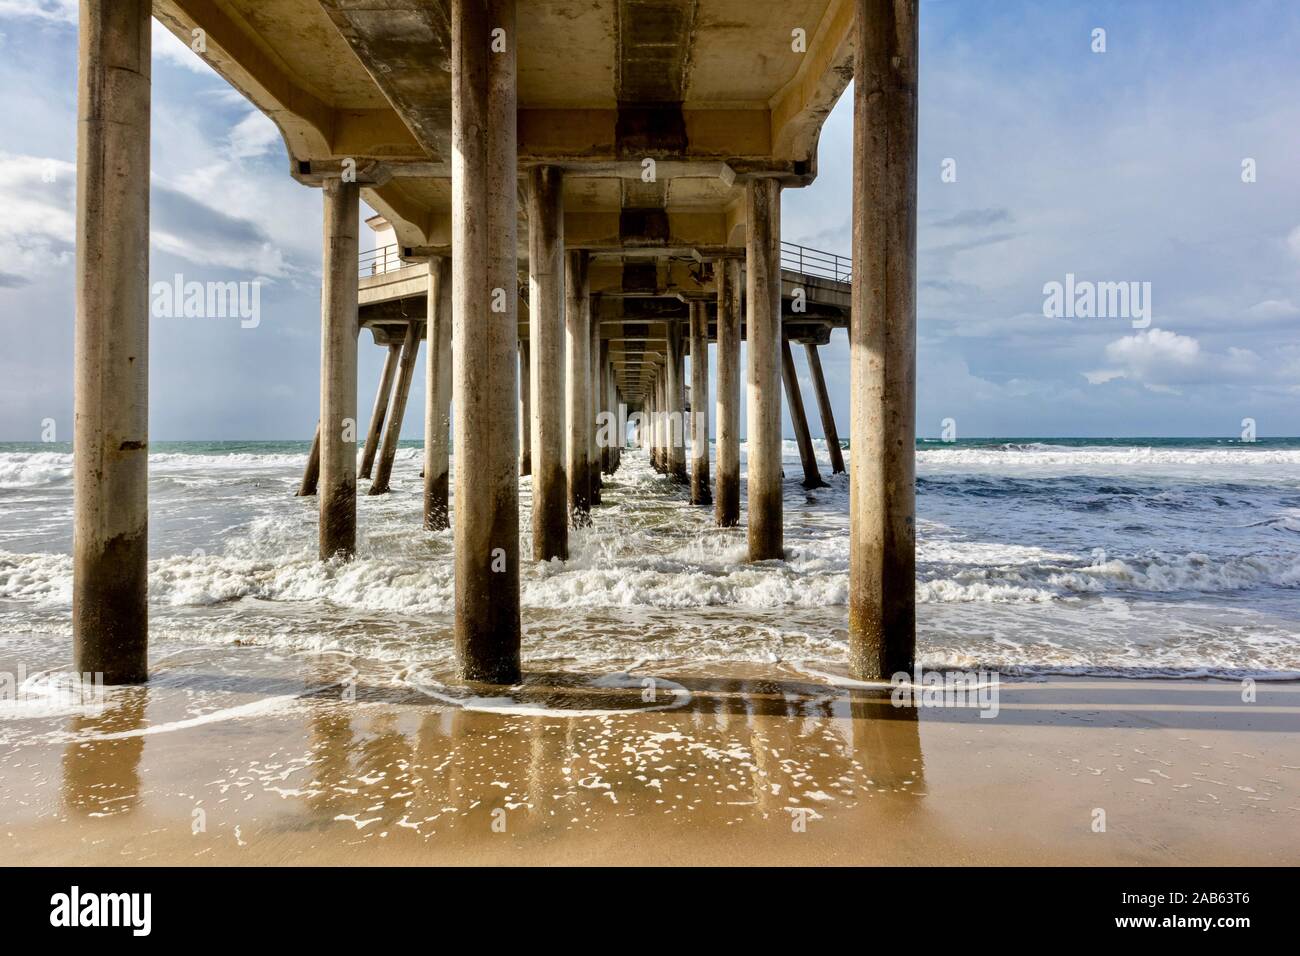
(796, 258)
(376, 262)
(814, 262)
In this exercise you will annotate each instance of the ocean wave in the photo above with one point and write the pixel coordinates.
(33, 469)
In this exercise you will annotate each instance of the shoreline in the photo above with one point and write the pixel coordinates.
(240, 756)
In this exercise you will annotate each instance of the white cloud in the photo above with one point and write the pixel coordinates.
(37, 228)
(57, 11)
(1293, 242)
(254, 135)
(1160, 359)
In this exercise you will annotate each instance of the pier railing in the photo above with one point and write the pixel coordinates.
(380, 260)
(816, 263)
(794, 257)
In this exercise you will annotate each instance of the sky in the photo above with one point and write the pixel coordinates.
(1040, 157)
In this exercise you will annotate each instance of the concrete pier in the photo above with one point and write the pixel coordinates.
(484, 165)
(726, 505)
(763, 328)
(437, 394)
(547, 341)
(311, 472)
(829, 431)
(882, 341)
(700, 492)
(110, 548)
(577, 388)
(402, 391)
(603, 407)
(675, 405)
(380, 411)
(525, 410)
(798, 417)
(338, 373)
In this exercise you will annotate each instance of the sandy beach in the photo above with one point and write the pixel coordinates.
(313, 763)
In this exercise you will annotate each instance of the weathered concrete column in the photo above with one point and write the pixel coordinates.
(577, 387)
(110, 541)
(882, 340)
(485, 310)
(652, 420)
(379, 413)
(525, 410)
(605, 451)
(311, 473)
(676, 390)
(393, 433)
(700, 492)
(594, 480)
(338, 372)
(763, 328)
(661, 418)
(794, 400)
(726, 504)
(549, 377)
(824, 406)
(437, 395)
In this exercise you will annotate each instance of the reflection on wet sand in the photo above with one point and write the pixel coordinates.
(102, 777)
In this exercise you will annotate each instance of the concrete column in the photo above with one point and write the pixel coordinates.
(525, 410)
(798, 417)
(547, 334)
(311, 473)
(824, 406)
(380, 411)
(676, 405)
(726, 504)
(437, 394)
(605, 450)
(110, 541)
(594, 481)
(700, 492)
(338, 372)
(882, 342)
(577, 387)
(763, 328)
(661, 411)
(485, 331)
(393, 433)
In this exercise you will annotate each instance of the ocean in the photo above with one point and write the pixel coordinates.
(1123, 557)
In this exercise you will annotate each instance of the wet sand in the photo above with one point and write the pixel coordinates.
(305, 760)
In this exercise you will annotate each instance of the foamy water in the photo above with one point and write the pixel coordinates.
(1175, 558)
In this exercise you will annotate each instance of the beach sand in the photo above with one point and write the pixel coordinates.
(240, 757)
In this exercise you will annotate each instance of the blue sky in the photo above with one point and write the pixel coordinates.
(1118, 166)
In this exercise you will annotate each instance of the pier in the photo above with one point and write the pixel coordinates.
(571, 200)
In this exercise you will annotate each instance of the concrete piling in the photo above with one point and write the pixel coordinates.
(393, 432)
(763, 330)
(882, 340)
(338, 379)
(577, 386)
(547, 339)
(485, 320)
(726, 505)
(700, 491)
(798, 417)
(437, 395)
(525, 410)
(311, 472)
(594, 480)
(829, 430)
(675, 389)
(110, 548)
(380, 411)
